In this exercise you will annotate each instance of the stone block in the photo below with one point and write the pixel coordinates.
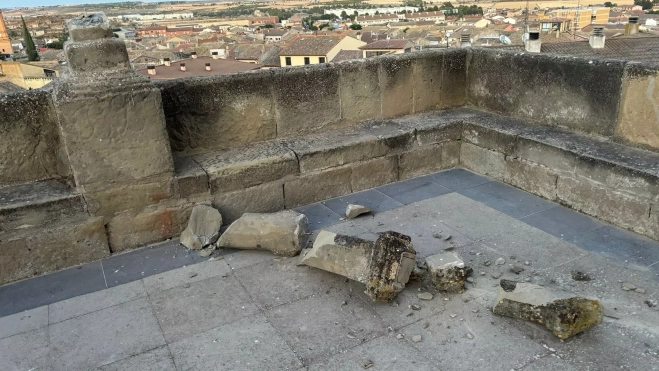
(495, 133)
(306, 110)
(87, 27)
(531, 177)
(557, 159)
(448, 272)
(219, 112)
(203, 227)
(564, 314)
(621, 178)
(244, 167)
(108, 202)
(439, 79)
(28, 121)
(190, 178)
(100, 55)
(26, 253)
(360, 91)
(396, 85)
(284, 233)
(639, 118)
(428, 159)
(580, 94)
(615, 207)
(264, 198)
(383, 265)
(317, 186)
(483, 161)
(113, 129)
(340, 147)
(374, 173)
(137, 228)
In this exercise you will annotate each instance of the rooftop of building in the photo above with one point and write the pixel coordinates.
(311, 45)
(388, 44)
(345, 55)
(195, 67)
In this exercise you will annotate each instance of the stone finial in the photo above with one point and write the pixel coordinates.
(92, 48)
(89, 27)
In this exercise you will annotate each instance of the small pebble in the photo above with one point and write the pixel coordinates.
(453, 315)
(416, 338)
(415, 307)
(367, 363)
(447, 237)
(400, 336)
(496, 275)
(500, 261)
(470, 279)
(482, 273)
(437, 235)
(469, 335)
(628, 286)
(192, 275)
(425, 296)
(425, 325)
(640, 290)
(487, 263)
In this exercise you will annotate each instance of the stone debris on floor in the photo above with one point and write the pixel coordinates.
(353, 211)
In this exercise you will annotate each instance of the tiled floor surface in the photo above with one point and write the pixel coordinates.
(164, 308)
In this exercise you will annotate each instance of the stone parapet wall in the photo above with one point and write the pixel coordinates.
(216, 113)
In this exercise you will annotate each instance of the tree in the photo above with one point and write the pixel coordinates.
(344, 15)
(59, 44)
(355, 27)
(32, 54)
(646, 4)
(268, 25)
(13, 34)
(447, 5)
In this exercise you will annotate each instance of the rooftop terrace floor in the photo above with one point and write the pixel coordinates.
(163, 308)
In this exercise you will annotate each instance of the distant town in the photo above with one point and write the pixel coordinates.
(182, 39)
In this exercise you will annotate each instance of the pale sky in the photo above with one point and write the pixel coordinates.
(27, 3)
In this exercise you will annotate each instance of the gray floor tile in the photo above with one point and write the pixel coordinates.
(445, 340)
(385, 352)
(103, 337)
(413, 190)
(374, 200)
(319, 216)
(248, 344)
(23, 321)
(620, 245)
(94, 301)
(458, 179)
(51, 288)
(245, 258)
(146, 262)
(509, 200)
(158, 359)
(26, 351)
(563, 223)
(322, 325)
(288, 281)
(188, 274)
(187, 310)
(477, 221)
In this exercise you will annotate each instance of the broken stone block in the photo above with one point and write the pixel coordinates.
(353, 211)
(448, 272)
(284, 232)
(203, 227)
(562, 313)
(383, 265)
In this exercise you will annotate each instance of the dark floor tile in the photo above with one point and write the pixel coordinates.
(146, 262)
(509, 200)
(375, 200)
(413, 190)
(319, 216)
(617, 244)
(51, 288)
(562, 222)
(458, 179)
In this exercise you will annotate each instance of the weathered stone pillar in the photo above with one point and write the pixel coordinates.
(112, 123)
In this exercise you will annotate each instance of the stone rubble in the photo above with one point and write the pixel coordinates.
(284, 233)
(353, 211)
(448, 272)
(384, 265)
(564, 314)
(203, 228)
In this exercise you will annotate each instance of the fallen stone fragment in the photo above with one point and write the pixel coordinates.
(448, 272)
(500, 261)
(562, 313)
(437, 235)
(203, 227)
(516, 268)
(640, 290)
(628, 286)
(425, 296)
(367, 363)
(580, 276)
(469, 335)
(353, 211)
(284, 233)
(416, 338)
(447, 237)
(383, 265)
(415, 307)
(400, 336)
(496, 275)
